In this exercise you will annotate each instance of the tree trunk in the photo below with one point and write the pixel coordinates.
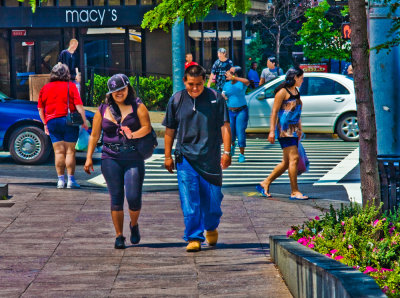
(370, 186)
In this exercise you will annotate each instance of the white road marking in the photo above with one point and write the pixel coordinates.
(341, 170)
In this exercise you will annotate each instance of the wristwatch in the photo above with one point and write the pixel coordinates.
(228, 153)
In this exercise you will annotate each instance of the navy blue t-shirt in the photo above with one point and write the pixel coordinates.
(198, 125)
(70, 60)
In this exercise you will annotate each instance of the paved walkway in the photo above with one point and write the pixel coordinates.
(57, 243)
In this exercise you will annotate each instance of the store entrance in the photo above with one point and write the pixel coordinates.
(104, 55)
(32, 55)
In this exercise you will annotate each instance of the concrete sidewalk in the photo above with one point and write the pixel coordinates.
(57, 243)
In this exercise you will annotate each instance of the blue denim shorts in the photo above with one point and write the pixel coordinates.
(289, 141)
(60, 131)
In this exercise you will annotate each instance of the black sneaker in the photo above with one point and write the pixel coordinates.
(135, 235)
(119, 242)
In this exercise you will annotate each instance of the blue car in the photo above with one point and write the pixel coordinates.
(22, 131)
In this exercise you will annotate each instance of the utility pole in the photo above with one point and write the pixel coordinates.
(178, 55)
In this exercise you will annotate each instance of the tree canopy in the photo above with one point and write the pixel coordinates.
(320, 39)
(165, 14)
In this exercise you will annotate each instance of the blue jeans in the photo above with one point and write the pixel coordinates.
(200, 202)
(238, 122)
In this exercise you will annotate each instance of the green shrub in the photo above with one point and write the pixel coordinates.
(154, 92)
(361, 238)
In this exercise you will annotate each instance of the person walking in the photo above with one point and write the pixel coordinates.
(69, 58)
(220, 67)
(53, 109)
(285, 118)
(234, 92)
(189, 60)
(123, 117)
(253, 76)
(271, 72)
(200, 119)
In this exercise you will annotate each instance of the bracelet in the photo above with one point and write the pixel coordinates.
(228, 153)
(233, 77)
(168, 157)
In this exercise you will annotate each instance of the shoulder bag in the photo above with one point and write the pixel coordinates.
(75, 118)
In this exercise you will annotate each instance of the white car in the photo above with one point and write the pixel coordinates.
(329, 105)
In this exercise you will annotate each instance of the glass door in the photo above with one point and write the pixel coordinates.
(24, 66)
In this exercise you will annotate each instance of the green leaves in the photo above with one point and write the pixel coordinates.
(319, 40)
(154, 92)
(164, 15)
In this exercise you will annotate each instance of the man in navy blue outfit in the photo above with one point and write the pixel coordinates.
(199, 118)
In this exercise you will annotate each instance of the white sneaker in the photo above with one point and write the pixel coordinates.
(60, 184)
(73, 184)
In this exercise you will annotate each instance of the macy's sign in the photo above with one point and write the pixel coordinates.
(90, 15)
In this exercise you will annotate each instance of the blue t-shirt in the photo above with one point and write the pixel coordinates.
(236, 94)
(253, 76)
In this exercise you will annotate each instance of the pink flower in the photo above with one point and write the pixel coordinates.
(350, 246)
(311, 245)
(375, 222)
(342, 223)
(369, 269)
(383, 219)
(317, 217)
(328, 255)
(385, 269)
(337, 258)
(290, 233)
(391, 230)
(356, 267)
(385, 289)
(303, 240)
(333, 251)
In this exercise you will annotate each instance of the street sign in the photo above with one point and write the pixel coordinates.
(346, 30)
(314, 67)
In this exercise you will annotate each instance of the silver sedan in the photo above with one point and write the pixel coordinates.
(329, 105)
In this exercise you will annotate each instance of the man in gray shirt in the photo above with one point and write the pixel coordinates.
(199, 119)
(271, 72)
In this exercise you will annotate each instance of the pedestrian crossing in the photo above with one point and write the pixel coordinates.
(261, 158)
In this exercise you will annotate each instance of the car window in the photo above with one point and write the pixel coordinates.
(324, 86)
(269, 92)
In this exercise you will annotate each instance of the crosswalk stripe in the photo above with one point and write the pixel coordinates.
(261, 159)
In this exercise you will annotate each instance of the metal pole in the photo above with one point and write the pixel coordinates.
(385, 76)
(178, 55)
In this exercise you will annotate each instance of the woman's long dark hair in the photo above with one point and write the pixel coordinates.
(129, 100)
(289, 79)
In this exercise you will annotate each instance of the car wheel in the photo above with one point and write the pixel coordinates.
(29, 145)
(347, 128)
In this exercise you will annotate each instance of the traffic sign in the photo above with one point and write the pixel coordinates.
(346, 30)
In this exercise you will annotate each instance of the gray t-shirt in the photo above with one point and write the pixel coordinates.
(198, 125)
(270, 74)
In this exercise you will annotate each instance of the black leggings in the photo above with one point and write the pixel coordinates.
(120, 174)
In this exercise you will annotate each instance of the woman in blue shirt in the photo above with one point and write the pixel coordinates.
(234, 92)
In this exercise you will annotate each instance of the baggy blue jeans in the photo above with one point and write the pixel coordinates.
(238, 122)
(200, 202)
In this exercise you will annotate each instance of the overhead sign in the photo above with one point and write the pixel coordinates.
(18, 32)
(346, 31)
(314, 67)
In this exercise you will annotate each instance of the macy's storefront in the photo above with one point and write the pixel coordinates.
(110, 40)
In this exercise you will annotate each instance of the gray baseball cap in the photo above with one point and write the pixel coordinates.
(117, 82)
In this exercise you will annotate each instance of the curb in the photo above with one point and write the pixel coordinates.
(308, 273)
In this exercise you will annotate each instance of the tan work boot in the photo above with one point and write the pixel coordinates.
(212, 237)
(193, 246)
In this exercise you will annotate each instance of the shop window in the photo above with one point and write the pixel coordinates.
(210, 44)
(135, 51)
(130, 2)
(4, 63)
(194, 35)
(49, 51)
(98, 3)
(64, 3)
(114, 2)
(43, 32)
(147, 2)
(11, 3)
(81, 3)
(224, 37)
(47, 3)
